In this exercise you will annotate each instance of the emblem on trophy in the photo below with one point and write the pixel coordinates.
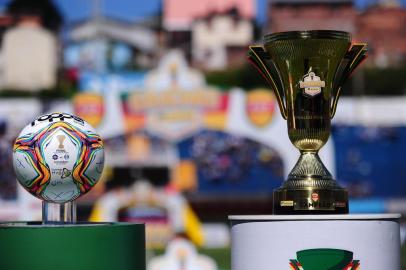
(307, 70)
(312, 84)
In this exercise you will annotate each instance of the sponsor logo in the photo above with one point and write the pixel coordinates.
(260, 107)
(340, 204)
(89, 106)
(175, 102)
(287, 203)
(99, 166)
(315, 196)
(60, 156)
(57, 116)
(63, 173)
(312, 84)
(307, 204)
(324, 258)
(61, 138)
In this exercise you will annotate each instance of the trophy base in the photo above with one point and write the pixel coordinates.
(310, 201)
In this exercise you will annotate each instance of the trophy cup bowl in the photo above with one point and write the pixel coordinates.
(307, 69)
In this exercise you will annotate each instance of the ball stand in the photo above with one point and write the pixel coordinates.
(61, 243)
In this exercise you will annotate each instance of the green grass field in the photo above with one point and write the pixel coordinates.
(223, 257)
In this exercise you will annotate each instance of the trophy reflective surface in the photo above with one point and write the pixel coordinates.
(307, 69)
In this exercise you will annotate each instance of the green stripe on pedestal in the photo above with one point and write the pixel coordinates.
(86, 246)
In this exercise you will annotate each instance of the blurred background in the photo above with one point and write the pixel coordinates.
(192, 134)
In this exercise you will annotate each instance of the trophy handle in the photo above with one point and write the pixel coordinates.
(352, 59)
(259, 58)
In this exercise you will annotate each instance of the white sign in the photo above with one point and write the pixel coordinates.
(315, 242)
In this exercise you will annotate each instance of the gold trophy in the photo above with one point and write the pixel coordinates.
(307, 70)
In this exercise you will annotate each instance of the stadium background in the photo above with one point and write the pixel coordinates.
(179, 107)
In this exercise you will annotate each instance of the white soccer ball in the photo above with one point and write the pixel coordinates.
(58, 157)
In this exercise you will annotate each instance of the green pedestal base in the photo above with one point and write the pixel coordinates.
(83, 246)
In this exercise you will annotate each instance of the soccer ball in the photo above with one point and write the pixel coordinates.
(58, 157)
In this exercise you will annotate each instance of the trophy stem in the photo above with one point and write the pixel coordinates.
(310, 171)
(58, 213)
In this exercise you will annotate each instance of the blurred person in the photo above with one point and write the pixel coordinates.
(144, 196)
(180, 254)
(29, 55)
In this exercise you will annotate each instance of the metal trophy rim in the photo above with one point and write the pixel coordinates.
(321, 217)
(307, 34)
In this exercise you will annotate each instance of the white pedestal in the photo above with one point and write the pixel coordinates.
(320, 242)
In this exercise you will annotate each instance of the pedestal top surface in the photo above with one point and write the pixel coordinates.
(314, 217)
